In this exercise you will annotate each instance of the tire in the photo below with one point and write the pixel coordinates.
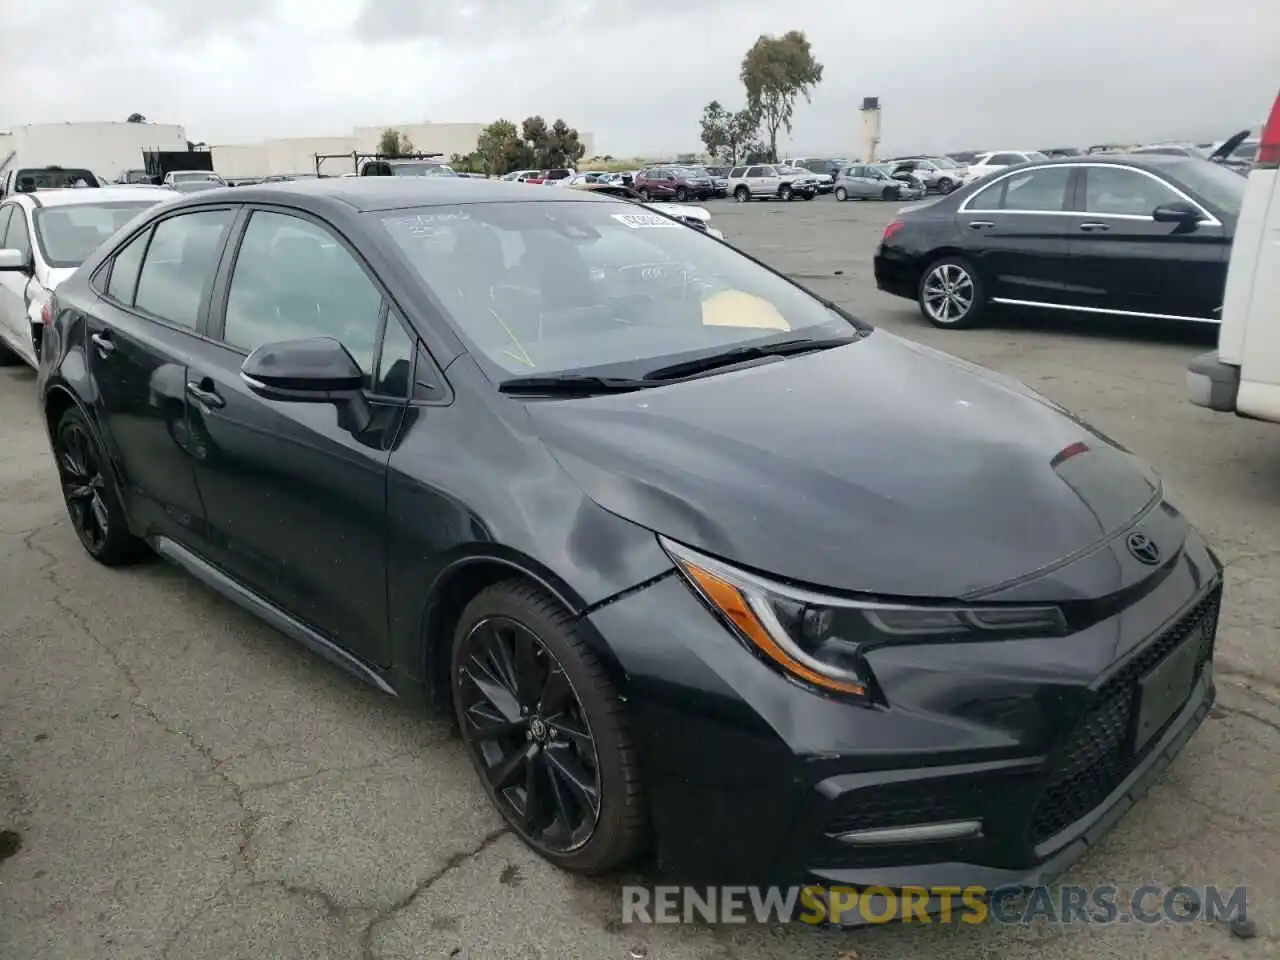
(889, 193)
(785, 192)
(644, 194)
(742, 194)
(942, 289)
(682, 195)
(89, 491)
(587, 711)
(945, 186)
(8, 357)
(808, 196)
(842, 194)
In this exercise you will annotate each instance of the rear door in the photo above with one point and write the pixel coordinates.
(296, 500)
(143, 334)
(1017, 232)
(1126, 262)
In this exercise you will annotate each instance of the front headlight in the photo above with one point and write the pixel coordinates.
(823, 640)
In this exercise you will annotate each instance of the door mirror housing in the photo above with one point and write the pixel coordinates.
(1176, 213)
(14, 261)
(316, 370)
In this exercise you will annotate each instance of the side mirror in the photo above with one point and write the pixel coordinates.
(14, 261)
(316, 370)
(1176, 213)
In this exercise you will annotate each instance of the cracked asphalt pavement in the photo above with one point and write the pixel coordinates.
(186, 783)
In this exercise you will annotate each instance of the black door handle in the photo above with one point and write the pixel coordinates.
(103, 342)
(1095, 226)
(208, 398)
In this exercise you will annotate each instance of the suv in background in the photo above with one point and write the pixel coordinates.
(940, 174)
(759, 180)
(673, 183)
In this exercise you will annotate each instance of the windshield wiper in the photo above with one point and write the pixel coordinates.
(782, 348)
(571, 384)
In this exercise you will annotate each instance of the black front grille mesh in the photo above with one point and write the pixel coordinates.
(1099, 756)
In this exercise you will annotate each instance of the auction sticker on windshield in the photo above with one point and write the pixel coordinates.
(639, 221)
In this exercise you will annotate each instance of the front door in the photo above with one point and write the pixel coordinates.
(1018, 234)
(1129, 263)
(142, 337)
(295, 498)
(15, 329)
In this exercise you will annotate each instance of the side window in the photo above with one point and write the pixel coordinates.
(1115, 190)
(992, 198)
(294, 280)
(755, 171)
(769, 171)
(1044, 188)
(5, 212)
(395, 365)
(125, 268)
(737, 172)
(17, 237)
(180, 263)
(1005, 160)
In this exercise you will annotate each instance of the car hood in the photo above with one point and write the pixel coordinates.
(681, 210)
(882, 466)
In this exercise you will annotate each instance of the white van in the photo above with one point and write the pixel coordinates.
(1243, 374)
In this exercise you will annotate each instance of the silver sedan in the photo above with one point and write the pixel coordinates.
(871, 182)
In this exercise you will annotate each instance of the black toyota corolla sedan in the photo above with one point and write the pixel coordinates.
(560, 466)
(1134, 235)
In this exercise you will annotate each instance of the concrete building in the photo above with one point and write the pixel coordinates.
(106, 148)
(296, 155)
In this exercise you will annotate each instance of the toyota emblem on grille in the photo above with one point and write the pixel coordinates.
(1143, 548)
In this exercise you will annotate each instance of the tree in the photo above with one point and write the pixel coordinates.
(393, 143)
(727, 136)
(136, 118)
(550, 147)
(500, 149)
(775, 71)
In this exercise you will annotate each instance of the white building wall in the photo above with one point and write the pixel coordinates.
(107, 148)
(445, 138)
(240, 160)
(297, 155)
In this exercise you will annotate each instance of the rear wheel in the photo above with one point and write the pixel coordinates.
(546, 730)
(945, 186)
(644, 194)
(950, 294)
(842, 194)
(742, 194)
(90, 494)
(682, 195)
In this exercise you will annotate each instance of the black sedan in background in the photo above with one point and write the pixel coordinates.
(549, 461)
(1143, 236)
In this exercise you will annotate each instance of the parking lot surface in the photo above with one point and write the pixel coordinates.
(188, 784)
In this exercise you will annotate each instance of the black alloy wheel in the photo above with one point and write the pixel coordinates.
(92, 502)
(945, 186)
(545, 730)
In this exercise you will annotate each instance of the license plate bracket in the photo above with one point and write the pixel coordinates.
(1164, 689)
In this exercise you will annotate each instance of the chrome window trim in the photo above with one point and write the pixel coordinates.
(1101, 310)
(1209, 221)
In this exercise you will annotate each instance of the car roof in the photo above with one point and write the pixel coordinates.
(74, 196)
(1143, 161)
(366, 194)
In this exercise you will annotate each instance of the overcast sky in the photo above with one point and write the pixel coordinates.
(951, 74)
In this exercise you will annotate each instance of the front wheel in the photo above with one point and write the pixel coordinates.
(546, 730)
(89, 490)
(644, 194)
(742, 194)
(889, 193)
(682, 195)
(950, 294)
(945, 186)
(842, 194)
(784, 193)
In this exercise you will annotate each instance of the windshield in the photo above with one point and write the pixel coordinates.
(53, 178)
(945, 163)
(566, 286)
(192, 176)
(1218, 185)
(789, 170)
(68, 234)
(1246, 151)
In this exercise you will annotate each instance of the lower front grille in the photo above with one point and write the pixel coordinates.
(1099, 754)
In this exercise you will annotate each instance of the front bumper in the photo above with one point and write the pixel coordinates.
(1212, 383)
(1036, 744)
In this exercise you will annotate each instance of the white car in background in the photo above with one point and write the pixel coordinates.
(44, 237)
(997, 160)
